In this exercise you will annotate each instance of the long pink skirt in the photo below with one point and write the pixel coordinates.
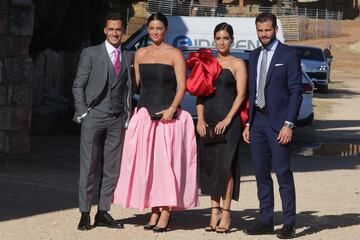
(158, 166)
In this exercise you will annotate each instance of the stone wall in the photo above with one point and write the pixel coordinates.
(16, 28)
(53, 76)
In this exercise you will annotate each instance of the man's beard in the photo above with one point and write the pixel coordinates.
(272, 39)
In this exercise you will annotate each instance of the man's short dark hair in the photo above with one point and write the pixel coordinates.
(266, 16)
(114, 16)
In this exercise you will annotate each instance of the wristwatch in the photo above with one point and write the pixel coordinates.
(289, 125)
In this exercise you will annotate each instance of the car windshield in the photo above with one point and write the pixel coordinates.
(310, 53)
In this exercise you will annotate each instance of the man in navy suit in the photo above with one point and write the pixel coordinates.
(275, 98)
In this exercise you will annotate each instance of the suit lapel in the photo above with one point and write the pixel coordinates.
(274, 60)
(104, 61)
(254, 67)
(123, 63)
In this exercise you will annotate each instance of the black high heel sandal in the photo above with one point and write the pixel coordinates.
(162, 229)
(149, 226)
(224, 229)
(211, 228)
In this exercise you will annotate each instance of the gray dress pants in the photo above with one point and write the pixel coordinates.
(101, 138)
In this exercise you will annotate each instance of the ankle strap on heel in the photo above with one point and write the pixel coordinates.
(218, 208)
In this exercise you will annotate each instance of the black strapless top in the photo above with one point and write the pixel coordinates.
(158, 85)
(218, 105)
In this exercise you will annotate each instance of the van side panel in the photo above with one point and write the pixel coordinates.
(184, 32)
(198, 31)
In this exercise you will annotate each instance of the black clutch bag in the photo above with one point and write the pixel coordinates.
(212, 138)
(155, 109)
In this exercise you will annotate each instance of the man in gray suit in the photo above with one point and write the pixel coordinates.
(102, 95)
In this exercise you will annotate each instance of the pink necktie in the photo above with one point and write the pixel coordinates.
(117, 62)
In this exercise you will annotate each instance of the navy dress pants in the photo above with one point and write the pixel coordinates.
(268, 155)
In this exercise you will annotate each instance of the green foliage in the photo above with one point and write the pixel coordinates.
(69, 25)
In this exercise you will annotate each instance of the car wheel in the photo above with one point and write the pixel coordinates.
(322, 88)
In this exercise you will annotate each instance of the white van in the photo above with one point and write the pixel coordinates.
(184, 32)
(191, 33)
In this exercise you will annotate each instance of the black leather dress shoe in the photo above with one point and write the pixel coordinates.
(84, 223)
(287, 232)
(260, 229)
(106, 220)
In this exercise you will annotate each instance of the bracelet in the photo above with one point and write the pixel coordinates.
(173, 108)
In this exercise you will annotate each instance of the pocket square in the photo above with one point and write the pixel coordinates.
(278, 64)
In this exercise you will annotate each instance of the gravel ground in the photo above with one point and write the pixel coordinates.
(39, 190)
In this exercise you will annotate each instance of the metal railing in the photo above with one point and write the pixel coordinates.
(298, 23)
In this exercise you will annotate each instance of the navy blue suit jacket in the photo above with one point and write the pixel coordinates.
(283, 86)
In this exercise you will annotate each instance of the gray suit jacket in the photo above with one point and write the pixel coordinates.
(92, 75)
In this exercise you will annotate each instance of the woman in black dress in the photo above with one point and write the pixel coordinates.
(219, 163)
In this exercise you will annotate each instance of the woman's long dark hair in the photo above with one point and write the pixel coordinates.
(158, 16)
(224, 26)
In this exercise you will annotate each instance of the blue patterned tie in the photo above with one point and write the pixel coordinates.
(262, 80)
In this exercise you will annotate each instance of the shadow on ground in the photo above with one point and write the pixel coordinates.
(328, 131)
(46, 180)
(307, 222)
(336, 93)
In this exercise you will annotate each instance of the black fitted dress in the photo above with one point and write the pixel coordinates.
(217, 161)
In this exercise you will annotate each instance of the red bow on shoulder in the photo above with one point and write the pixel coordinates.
(244, 111)
(204, 70)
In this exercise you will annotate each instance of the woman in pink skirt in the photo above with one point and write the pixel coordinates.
(158, 166)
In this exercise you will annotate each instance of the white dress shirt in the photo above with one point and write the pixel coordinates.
(111, 51)
(270, 53)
